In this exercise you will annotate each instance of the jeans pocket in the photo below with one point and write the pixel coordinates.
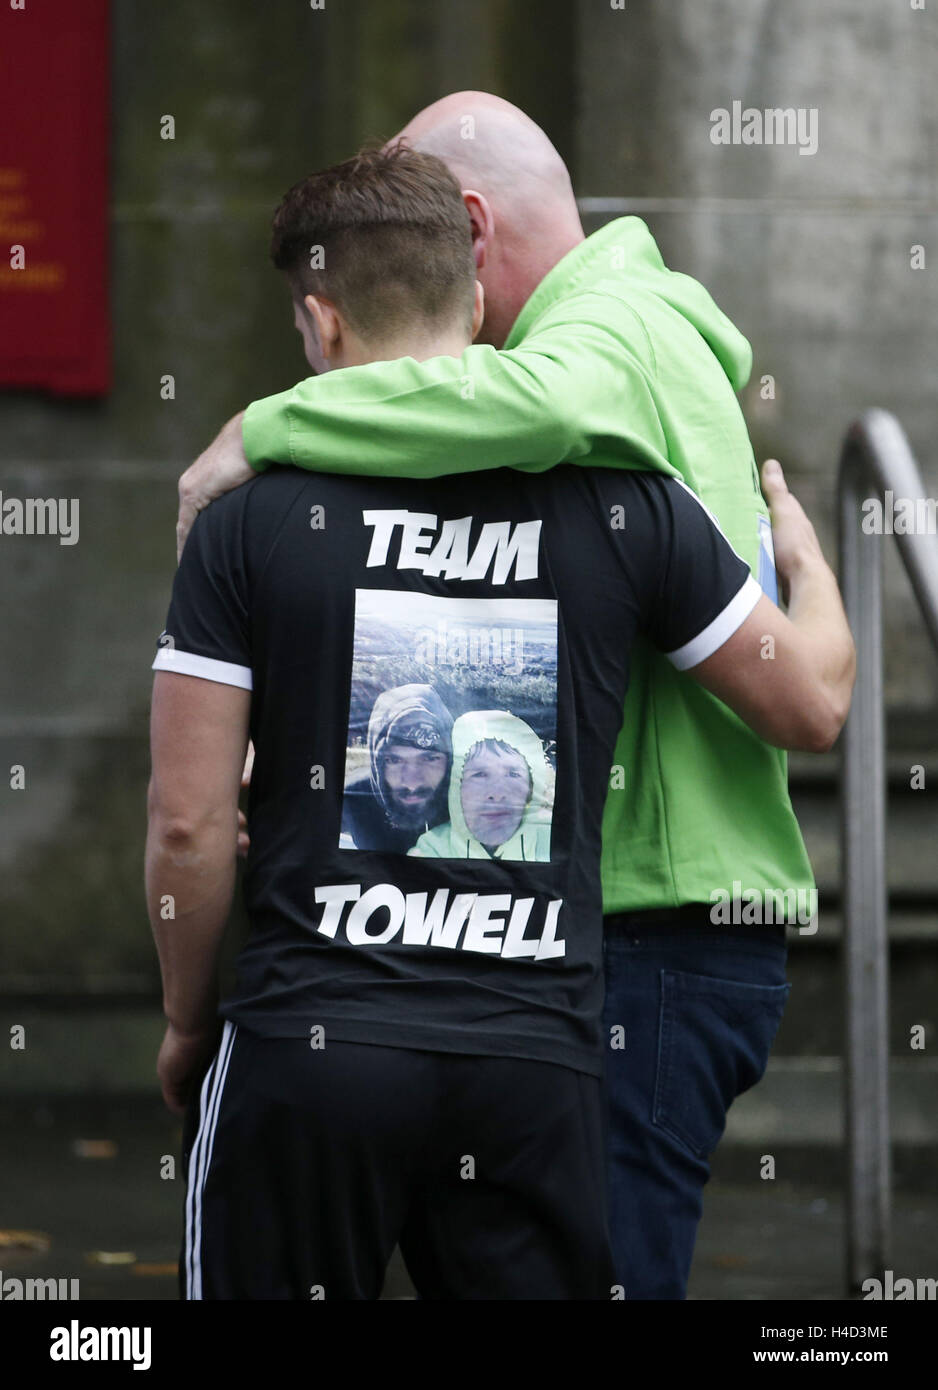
(713, 1043)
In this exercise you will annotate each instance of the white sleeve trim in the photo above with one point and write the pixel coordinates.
(720, 630)
(206, 667)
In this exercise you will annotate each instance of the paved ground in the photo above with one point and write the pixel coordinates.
(113, 1221)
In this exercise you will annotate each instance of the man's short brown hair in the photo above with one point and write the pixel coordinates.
(385, 236)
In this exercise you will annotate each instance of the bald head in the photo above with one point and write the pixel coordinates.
(524, 212)
(494, 146)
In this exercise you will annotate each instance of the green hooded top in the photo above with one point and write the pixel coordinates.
(617, 362)
(531, 840)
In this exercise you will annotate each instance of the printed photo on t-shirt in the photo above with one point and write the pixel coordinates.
(452, 726)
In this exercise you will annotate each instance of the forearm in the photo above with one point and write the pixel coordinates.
(190, 876)
(411, 419)
(816, 610)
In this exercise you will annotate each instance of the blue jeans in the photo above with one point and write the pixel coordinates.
(695, 1015)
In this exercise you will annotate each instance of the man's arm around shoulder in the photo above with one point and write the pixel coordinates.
(218, 469)
(582, 375)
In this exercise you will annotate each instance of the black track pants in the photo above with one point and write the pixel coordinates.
(306, 1166)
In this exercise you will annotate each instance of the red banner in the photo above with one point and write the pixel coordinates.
(54, 79)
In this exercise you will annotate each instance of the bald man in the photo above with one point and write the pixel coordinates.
(593, 352)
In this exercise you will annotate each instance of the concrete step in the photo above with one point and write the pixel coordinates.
(82, 1050)
(800, 1099)
(909, 742)
(911, 839)
(796, 1114)
(912, 922)
(814, 1019)
(911, 815)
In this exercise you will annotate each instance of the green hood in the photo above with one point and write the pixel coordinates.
(531, 841)
(623, 259)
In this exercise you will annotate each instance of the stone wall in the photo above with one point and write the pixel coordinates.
(810, 255)
(260, 95)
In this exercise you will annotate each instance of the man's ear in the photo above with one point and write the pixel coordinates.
(478, 310)
(325, 316)
(483, 223)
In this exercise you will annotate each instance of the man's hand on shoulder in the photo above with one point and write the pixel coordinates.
(220, 468)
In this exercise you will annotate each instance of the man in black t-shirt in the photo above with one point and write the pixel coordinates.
(412, 1051)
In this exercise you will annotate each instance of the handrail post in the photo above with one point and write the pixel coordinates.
(865, 932)
(876, 455)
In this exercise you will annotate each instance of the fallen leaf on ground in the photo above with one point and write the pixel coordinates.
(94, 1148)
(24, 1240)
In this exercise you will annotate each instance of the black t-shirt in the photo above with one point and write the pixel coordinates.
(455, 653)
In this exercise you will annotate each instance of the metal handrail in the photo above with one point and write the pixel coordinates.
(875, 454)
